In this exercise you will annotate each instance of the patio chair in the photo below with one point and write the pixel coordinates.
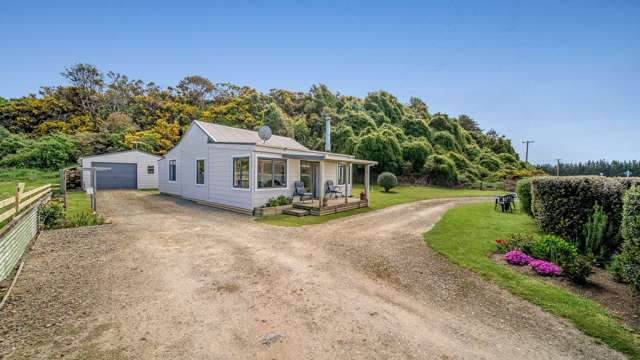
(506, 203)
(332, 189)
(300, 192)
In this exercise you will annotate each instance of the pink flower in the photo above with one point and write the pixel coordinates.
(517, 258)
(545, 268)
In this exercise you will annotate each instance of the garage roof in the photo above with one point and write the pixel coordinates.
(119, 152)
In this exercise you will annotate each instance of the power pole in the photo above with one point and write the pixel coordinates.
(526, 154)
(558, 167)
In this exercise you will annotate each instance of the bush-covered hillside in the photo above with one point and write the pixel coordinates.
(97, 113)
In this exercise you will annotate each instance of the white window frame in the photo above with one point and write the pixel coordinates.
(169, 170)
(345, 175)
(204, 175)
(233, 169)
(286, 175)
(153, 169)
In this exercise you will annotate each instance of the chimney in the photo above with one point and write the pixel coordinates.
(327, 134)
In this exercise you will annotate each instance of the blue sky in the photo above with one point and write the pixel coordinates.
(563, 73)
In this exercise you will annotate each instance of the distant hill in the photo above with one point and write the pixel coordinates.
(97, 113)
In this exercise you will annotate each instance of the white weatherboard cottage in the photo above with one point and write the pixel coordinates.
(234, 169)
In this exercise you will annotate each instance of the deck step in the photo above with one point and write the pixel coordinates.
(296, 212)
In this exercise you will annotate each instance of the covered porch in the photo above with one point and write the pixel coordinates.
(328, 183)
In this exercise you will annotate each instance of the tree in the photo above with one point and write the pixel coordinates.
(416, 152)
(384, 107)
(382, 147)
(89, 81)
(277, 120)
(195, 89)
(441, 170)
(419, 108)
(416, 127)
(468, 123)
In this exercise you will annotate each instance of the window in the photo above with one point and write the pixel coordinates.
(241, 173)
(151, 169)
(172, 170)
(200, 171)
(272, 173)
(342, 174)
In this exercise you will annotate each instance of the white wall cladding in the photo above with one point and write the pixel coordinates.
(192, 146)
(220, 169)
(145, 180)
(14, 243)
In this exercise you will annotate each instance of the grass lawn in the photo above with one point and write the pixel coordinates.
(9, 179)
(466, 235)
(77, 202)
(379, 200)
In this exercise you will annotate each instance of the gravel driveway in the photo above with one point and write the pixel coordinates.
(171, 279)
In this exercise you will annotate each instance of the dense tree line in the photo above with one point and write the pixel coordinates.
(97, 112)
(604, 167)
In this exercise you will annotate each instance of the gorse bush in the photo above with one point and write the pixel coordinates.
(630, 256)
(523, 188)
(387, 180)
(50, 152)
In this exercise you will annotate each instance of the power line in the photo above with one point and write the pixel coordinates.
(526, 154)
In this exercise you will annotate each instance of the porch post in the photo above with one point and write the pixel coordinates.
(366, 182)
(321, 169)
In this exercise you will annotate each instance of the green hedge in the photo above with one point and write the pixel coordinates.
(562, 205)
(523, 188)
(630, 229)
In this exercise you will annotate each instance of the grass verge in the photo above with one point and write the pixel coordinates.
(9, 179)
(466, 236)
(379, 200)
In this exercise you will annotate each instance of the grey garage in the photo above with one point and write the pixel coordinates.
(133, 169)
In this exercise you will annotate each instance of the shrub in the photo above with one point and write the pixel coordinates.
(545, 268)
(523, 188)
(563, 205)
(489, 162)
(387, 180)
(445, 140)
(284, 200)
(554, 249)
(83, 219)
(416, 152)
(441, 170)
(577, 270)
(518, 241)
(595, 234)
(380, 146)
(51, 214)
(615, 269)
(50, 152)
(517, 258)
(630, 256)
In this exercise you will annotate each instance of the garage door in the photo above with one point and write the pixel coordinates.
(120, 176)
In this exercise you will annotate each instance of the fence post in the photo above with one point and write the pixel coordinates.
(63, 186)
(19, 190)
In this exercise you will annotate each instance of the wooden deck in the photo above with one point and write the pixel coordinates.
(332, 206)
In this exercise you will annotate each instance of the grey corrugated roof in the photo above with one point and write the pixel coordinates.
(227, 134)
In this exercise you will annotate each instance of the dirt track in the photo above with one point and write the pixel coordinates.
(170, 279)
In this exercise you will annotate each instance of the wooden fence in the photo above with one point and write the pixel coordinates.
(22, 225)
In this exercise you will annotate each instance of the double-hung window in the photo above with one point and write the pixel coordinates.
(342, 174)
(172, 170)
(241, 173)
(272, 173)
(200, 171)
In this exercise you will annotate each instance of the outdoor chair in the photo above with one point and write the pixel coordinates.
(506, 202)
(300, 192)
(332, 189)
